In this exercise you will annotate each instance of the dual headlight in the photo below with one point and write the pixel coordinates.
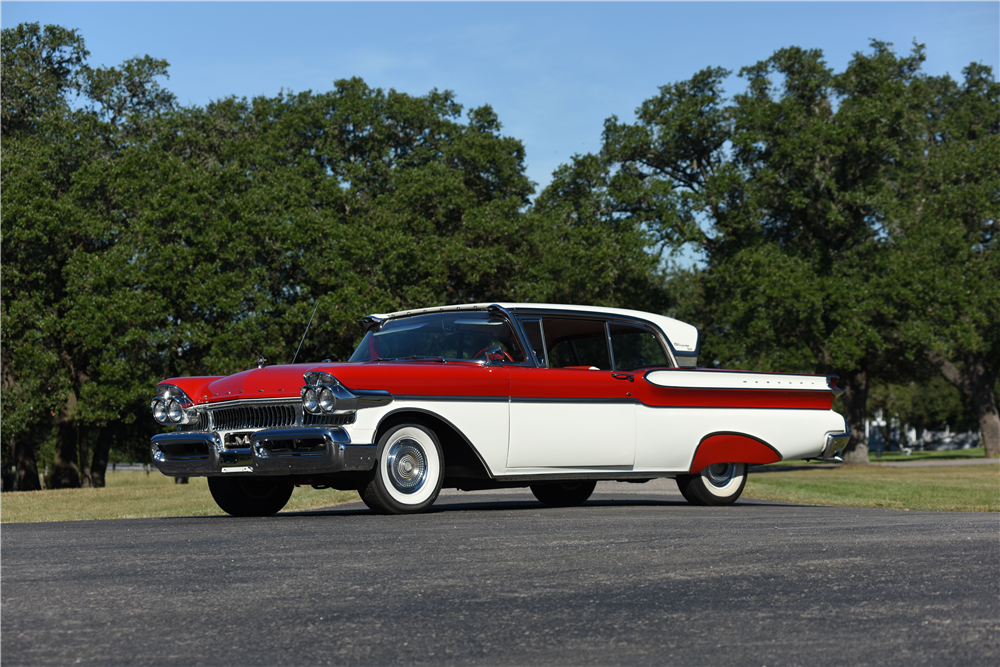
(324, 395)
(327, 399)
(170, 407)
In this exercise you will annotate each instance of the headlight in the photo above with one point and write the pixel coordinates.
(173, 407)
(159, 410)
(326, 399)
(309, 400)
(175, 413)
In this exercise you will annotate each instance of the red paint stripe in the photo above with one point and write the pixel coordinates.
(737, 398)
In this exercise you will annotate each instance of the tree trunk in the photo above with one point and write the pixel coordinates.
(99, 465)
(65, 471)
(976, 382)
(83, 434)
(856, 402)
(26, 478)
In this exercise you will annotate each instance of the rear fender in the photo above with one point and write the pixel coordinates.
(732, 448)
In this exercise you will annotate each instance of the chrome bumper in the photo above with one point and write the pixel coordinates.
(834, 449)
(284, 451)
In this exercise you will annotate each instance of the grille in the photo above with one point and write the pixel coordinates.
(256, 417)
(247, 417)
(328, 420)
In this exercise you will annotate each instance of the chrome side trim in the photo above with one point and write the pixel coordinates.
(575, 401)
(606, 474)
(453, 399)
(285, 451)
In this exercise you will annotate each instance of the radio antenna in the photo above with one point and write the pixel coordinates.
(304, 334)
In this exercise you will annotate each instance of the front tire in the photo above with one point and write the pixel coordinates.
(408, 473)
(249, 496)
(717, 484)
(564, 494)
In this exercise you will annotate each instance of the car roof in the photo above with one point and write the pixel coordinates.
(683, 336)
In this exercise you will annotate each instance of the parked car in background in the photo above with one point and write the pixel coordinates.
(486, 396)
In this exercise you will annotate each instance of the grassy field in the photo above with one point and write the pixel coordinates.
(134, 495)
(973, 488)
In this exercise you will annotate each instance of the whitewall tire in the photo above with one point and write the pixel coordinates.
(408, 473)
(717, 484)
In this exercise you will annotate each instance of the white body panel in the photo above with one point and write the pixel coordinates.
(569, 435)
(485, 424)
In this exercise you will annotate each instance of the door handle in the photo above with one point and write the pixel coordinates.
(623, 376)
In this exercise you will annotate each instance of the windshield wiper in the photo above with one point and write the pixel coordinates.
(423, 358)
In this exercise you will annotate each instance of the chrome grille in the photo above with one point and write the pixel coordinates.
(328, 420)
(253, 417)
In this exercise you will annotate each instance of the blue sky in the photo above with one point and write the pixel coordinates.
(552, 71)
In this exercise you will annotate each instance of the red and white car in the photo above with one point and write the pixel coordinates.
(489, 396)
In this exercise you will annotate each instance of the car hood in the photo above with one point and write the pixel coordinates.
(408, 377)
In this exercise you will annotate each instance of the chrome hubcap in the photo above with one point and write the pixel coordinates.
(406, 465)
(720, 474)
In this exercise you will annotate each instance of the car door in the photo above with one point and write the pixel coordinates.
(573, 410)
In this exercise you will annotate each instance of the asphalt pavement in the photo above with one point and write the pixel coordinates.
(635, 576)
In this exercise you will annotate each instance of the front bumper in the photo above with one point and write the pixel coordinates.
(284, 451)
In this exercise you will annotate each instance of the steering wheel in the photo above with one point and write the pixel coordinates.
(489, 347)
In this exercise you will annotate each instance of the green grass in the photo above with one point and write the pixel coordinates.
(974, 488)
(135, 495)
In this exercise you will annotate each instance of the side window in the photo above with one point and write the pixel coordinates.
(635, 347)
(533, 330)
(576, 343)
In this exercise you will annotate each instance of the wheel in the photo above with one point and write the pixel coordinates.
(718, 484)
(564, 494)
(408, 473)
(249, 496)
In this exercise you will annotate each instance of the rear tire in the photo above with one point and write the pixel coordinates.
(249, 496)
(408, 473)
(717, 484)
(564, 494)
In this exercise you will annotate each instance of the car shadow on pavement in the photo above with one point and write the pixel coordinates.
(352, 509)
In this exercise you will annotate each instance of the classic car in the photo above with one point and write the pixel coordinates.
(484, 396)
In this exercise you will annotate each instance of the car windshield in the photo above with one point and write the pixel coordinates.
(444, 336)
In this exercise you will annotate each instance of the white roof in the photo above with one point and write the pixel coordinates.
(683, 336)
